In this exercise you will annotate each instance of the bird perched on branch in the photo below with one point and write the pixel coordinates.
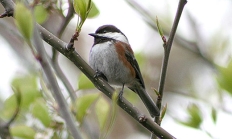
(113, 59)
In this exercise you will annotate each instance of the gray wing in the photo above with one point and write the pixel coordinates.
(131, 59)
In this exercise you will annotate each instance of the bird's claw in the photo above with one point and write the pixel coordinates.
(120, 95)
(99, 74)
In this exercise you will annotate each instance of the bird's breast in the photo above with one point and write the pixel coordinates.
(104, 58)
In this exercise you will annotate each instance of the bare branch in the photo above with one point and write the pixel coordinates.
(167, 49)
(55, 55)
(63, 108)
(9, 8)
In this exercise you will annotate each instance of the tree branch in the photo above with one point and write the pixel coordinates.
(9, 8)
(167, 49)
(55, 55)
(63, 108)
(67, 18)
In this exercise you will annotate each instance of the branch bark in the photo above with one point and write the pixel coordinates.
(55, 54)
(57, 94)
(167, 49)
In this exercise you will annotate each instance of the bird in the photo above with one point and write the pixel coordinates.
(112, 57)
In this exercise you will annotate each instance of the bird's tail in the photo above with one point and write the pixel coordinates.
(147, 100)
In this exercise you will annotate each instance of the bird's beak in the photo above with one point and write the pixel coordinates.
(93, 34)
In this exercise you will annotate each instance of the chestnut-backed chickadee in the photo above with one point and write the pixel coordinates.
(112, 57)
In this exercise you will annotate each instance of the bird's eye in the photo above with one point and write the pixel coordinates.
(104, 31)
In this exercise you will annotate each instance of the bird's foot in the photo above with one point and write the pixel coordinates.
(120, 95)
(100, 74)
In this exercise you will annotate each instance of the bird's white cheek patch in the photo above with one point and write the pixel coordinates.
(116, 36)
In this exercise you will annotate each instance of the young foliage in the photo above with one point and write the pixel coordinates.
(214, 115)
(160, 30)
(102, 110)
(110, 120)
(195, 117)
(225, 77)
(23, 131)
(83, 103)
(84, 9)
(40, 111)
(163, 112)
(80, 8)
(28, 89)
(93, 11)
(40, 14)
(106, 115)
(9, 107)
(84, 83)
(23, 20)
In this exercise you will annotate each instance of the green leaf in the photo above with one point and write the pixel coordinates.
(27, 86)
(83, 103)
(25, 82)
(24, 20)
(11, 105)
(114, 100)
(102, 110)
(214, 115)
(9, 108)
(22, 131)
(159, 27)
(28, 89)
(93, 11)
(156, 92)
(80, 8)
(40, 111)
(112, 116)
(163, 112)
(84, 8)
(225, 77)
(40, 13)
(195, 117)
(84, 83)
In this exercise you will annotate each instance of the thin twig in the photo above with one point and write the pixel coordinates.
(70, 45)
(167, 49)
(67, 19)
(63, 26)
(55, 55)
(65, 81)
(9, 8)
